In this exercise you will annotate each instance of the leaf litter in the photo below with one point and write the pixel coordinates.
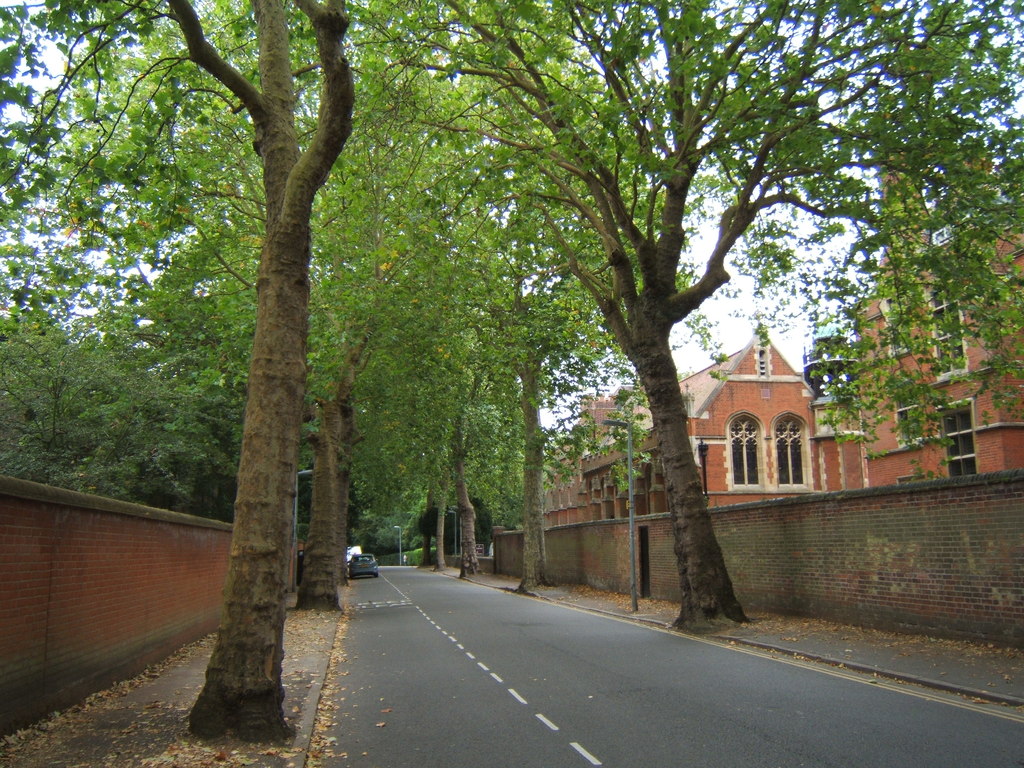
(120, 727)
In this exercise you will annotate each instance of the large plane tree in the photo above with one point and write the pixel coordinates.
(136, 75)
(691, 140)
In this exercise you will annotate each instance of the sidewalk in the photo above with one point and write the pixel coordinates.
(142, 723)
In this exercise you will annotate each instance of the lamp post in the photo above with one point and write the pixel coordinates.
(293, 577)
(629, 503)
(702, 451)
(455, 531)
(399, 529)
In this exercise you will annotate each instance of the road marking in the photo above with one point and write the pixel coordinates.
(586, 755)
(370, 604)
(483, 666)
(460, 646)
(547, 722)
(516, 696)
(454, 640)
(497, 678)
(471, 655)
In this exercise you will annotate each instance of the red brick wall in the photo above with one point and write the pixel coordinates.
(944, 557)
(93, 590)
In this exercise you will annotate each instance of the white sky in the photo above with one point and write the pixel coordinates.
(733, 330)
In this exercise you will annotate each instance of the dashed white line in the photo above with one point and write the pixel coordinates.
(515, 694)
(547, 722)
(586, 755)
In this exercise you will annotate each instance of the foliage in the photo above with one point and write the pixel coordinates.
(93, 414)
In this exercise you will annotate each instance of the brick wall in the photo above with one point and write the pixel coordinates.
(93, 590)
(944, 557)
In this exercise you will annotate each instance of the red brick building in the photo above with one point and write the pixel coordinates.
(751, 427)
(984, 432)
(759, 432)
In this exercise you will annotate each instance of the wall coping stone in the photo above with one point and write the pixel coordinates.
(991, 478)
(26, 489)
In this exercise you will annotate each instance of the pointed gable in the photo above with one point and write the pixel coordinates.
(699, 390)
(754, 361)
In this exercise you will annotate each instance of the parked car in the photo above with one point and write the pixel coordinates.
(362, 565)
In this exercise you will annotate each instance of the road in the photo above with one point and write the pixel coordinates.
(441, 673)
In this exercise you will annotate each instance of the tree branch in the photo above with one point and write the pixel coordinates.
(205, 55)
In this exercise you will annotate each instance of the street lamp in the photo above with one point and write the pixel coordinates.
(399, 529)
(293, 576)
(702, 451)
(455, 531)
(629, 503)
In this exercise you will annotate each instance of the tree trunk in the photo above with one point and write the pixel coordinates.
(324, 569)
(320, 572)
(704, 582)
(533, 484)
(439, 499)
(439, 560)
(468, 564)
(427, 529)
(243, 691)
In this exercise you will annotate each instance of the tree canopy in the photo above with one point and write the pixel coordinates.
(525, 179)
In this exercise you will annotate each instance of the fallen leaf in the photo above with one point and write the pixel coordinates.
(381, 725)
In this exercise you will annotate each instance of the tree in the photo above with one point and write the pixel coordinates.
(553, 342)
(243, 691)
(376, 224)
(652, 121)
(239, 694)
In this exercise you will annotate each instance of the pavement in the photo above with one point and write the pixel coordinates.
(142, 723)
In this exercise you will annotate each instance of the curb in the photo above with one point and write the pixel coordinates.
(311, 701)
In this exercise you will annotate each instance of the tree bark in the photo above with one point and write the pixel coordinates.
(439, 559)
(534, 555)
(324, 566)
(439, 499)
(428, 528)
(243, 691)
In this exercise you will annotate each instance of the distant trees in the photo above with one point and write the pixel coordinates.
(103, 415)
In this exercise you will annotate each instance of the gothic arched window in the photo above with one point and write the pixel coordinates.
(743, 441)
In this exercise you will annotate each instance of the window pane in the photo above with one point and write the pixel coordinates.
(788, 449)
(782, 451)
(960, 451)
(752, 463)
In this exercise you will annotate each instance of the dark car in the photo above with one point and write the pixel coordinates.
(362, 565)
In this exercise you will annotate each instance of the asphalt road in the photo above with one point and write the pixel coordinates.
(442, 673)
